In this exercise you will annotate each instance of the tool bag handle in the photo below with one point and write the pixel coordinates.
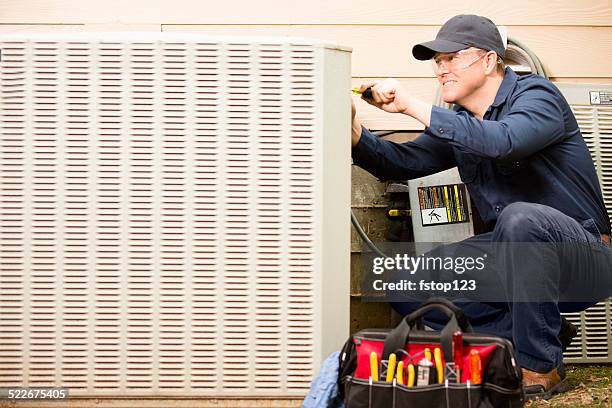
(398, 337)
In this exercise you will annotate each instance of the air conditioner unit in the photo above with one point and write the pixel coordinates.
(174, 212)
(592, 106)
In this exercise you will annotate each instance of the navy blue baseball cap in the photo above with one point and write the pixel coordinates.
(461, 32)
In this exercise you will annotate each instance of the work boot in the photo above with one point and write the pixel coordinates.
(544, 385)
(567, 333)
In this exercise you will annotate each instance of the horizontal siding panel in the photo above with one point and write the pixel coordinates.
(36, 28)
(566, 12)
(380, 51)
(58, 28)
(569, 51)
(584, 80)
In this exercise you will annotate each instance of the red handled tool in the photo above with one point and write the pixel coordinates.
(475, 367)
(458, 353)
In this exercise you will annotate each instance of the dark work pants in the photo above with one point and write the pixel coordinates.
(533, 327)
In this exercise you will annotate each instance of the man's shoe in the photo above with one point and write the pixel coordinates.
(567, 333)
(544, 385)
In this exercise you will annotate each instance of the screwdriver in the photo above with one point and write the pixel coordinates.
(439, 366)
(391, 367)
(458, 353)
(400, 373)
(411, 374)
(427, 353)
(374, 366)
(366, 94)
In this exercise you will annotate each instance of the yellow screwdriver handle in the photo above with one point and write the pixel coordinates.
(391, 367)
(427, 354)
(439, 366)
(400, 373)
(374, 366)
(410, 375)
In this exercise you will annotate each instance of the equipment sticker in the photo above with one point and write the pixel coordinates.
(601, 98)
(443, 204)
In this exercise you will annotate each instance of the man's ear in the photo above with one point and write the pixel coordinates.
(491, 60)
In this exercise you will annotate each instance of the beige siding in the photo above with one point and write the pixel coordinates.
(98, 27)
(381, 51)
(367, 12)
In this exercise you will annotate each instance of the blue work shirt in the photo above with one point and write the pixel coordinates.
(528, 148)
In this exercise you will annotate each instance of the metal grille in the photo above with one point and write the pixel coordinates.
(596, 127)
(158, 205)
(604, 122)
(593, 343)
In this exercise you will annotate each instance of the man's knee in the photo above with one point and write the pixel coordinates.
(520, 222)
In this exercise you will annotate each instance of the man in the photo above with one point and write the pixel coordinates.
(520, 153)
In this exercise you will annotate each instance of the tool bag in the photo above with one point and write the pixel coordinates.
(501, 377)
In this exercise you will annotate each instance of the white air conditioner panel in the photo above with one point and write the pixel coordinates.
(174, 212)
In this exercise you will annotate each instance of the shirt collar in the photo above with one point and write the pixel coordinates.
(507, 84)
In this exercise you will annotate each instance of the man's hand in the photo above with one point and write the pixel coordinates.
(391, 97)
(387, 95)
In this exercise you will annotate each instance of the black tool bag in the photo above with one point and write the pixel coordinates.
(500, 376)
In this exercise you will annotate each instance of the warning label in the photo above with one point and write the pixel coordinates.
(443, 204)
(600, 98)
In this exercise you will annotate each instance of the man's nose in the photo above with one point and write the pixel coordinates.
(442, 68)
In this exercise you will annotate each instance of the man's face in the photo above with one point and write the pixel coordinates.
(459, 73)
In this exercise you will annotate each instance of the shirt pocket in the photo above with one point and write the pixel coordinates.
(468, 166)
(509, 168)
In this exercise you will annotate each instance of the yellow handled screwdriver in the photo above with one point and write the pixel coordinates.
(427, 354)
(439, 366)
(366, 94)
(400, 373)
(374, 366)
(410, 375)
(391, 367)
